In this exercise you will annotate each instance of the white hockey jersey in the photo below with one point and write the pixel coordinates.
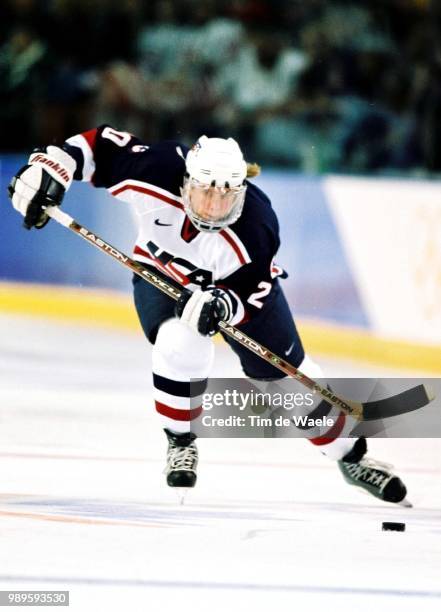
(239, 257)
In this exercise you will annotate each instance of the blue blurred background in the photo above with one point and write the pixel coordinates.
(311, 90)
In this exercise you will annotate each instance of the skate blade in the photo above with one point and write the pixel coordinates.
(404, 503)
(181, 493)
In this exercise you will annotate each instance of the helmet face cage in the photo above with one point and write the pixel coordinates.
(211, 208)
(214, 186)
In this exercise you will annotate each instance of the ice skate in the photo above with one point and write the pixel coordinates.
(372, 476)
(182, 460)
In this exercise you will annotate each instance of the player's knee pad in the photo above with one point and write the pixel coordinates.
(181, 353)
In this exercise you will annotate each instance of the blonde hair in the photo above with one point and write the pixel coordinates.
(252, 170)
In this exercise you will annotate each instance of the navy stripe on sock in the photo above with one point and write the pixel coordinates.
(181, 389)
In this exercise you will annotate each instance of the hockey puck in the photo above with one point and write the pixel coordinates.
(393, 526)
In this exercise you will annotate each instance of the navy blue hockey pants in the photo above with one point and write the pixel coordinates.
(273, 327)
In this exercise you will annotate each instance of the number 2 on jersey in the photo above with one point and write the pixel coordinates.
(254, 298)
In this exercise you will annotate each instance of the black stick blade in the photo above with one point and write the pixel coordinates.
(407, 401)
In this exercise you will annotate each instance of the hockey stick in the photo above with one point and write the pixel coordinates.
(407, 401)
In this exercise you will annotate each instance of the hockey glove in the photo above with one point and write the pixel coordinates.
(41, 183)
(202, 310)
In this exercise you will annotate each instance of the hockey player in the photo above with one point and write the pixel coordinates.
(208, 227)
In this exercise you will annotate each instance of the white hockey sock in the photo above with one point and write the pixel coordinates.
(180, 355)
(334, 442)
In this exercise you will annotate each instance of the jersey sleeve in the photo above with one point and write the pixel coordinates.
(106, 157)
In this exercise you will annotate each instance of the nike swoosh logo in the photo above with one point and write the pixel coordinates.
(290, 349)
(158, 222)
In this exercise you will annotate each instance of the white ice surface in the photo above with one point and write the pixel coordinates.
(271, 524)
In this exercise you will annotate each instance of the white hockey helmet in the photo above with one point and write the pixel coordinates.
(214, 185)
